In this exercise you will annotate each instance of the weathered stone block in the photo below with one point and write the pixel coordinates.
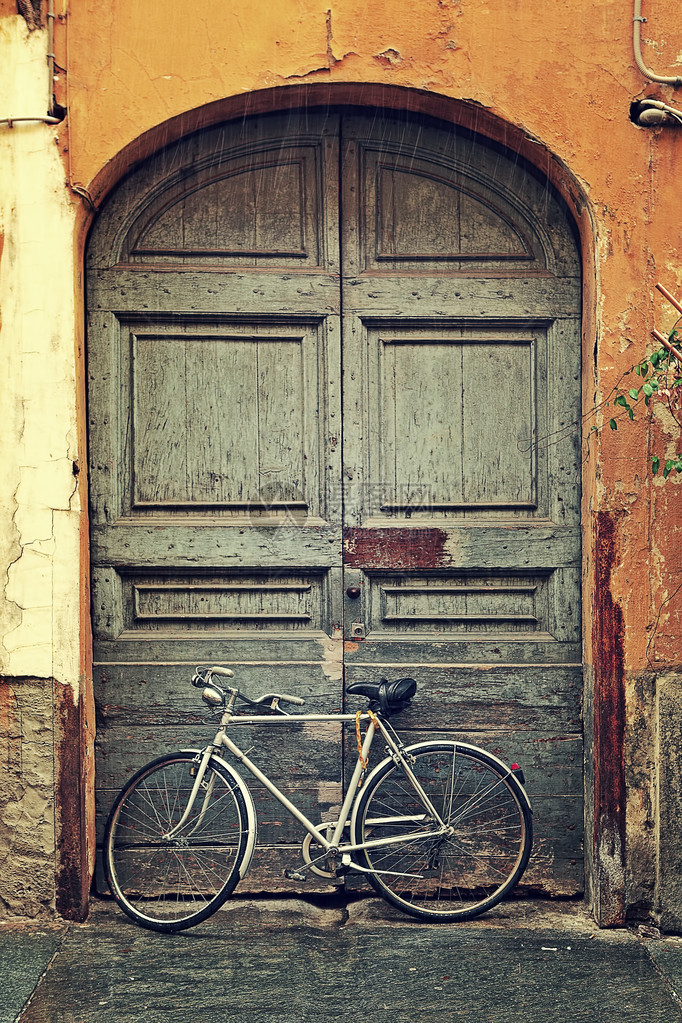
(27, 847)
(669, 888)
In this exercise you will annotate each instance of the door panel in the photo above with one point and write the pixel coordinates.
(231, 451)
(426, 213)
(460, 460)
(461, 506)
(215, 414)
(244, 488)
(262, 206)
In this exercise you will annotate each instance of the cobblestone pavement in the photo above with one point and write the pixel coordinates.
(291, 959)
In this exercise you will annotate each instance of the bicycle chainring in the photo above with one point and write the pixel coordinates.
(313, 856)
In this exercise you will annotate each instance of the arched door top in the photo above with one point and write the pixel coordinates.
(480, 208)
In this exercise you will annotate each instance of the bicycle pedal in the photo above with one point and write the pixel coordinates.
(295, 875)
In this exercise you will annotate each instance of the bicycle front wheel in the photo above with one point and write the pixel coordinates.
(461, 872)
(165, 875)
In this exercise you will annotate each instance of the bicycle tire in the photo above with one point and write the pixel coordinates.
(460, 875)
(170, 884)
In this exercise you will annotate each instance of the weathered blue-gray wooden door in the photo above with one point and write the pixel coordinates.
(333, 372)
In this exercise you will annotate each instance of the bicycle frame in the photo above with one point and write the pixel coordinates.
(335, 845)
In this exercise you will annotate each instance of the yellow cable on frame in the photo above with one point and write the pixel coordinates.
(363, 760)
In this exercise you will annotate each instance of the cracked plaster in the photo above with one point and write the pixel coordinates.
(39, 507)
(39, 504)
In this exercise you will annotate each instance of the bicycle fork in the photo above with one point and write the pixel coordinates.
(198, 779)
(201, 771)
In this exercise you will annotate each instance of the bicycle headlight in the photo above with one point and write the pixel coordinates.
(213, 697)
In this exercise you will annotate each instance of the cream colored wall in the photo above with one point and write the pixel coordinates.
(39, 501)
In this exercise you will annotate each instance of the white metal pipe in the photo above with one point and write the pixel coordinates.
(651, 118)
(50, 118)
(637, 47)
(50, 56)
(11, 121)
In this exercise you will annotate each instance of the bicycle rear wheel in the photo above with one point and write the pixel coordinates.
(464, 872)
(170, 883)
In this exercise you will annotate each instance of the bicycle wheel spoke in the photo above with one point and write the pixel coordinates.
(145, 806)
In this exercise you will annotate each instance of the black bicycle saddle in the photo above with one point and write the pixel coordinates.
(388, 697)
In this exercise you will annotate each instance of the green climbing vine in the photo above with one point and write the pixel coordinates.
(660, 376)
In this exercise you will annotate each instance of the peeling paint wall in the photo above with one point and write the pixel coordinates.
(562, 84)
(40, 511)
(41, 505)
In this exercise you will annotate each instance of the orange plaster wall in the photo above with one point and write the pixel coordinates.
(564, 73)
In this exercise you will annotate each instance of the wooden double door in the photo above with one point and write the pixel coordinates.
(334, 377)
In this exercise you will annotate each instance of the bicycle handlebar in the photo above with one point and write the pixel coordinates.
(283, 698)
(202, 677)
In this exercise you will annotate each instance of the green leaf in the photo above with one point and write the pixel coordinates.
(634, 393)
(613, 424)
(648, 389)
(668, 468)
(620, 400)
(631, 413)
(655, 464)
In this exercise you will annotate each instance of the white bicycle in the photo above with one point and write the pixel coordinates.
(441, 829)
